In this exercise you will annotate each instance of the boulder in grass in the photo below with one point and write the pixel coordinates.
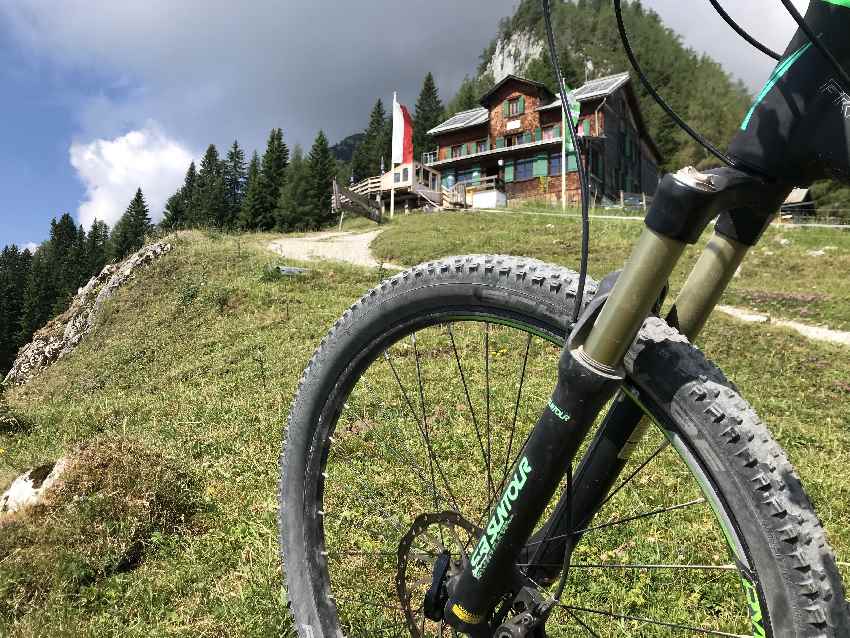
(29, 488)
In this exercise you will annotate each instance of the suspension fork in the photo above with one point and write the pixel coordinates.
(589, 373)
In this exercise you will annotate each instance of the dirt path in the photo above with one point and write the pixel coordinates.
(810, 332)
(352, 248)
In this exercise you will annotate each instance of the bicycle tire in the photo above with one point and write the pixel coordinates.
(781, 549)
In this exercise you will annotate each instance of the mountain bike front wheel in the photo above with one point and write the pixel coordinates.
(409, 420)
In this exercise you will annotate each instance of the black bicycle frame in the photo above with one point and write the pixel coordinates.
(590, 373)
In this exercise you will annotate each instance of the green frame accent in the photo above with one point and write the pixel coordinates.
(509, 170)
(541, 166)
(778, 73)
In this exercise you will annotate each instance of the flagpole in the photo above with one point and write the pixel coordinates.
(392, 164)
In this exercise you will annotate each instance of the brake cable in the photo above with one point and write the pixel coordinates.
(758, 45)
(582, 171)
(815, 40)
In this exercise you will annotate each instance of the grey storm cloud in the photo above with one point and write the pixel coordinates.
(209, 70)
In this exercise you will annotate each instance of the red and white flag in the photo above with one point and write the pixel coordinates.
(402, 134)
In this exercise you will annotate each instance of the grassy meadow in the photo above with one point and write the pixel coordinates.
(194, 365)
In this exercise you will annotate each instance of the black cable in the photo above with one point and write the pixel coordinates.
(618, 10)
(582, 172)
(815, 40)
(758, 45)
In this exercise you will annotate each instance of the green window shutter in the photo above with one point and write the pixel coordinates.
(586, 127)
(526, 137)
(538, 134)
(557, 130)
(572, 163)
(500, 142)
(506, 108)
(541, 166)
(487, 144)
(509, 172)
(521, 104)
(464, 150)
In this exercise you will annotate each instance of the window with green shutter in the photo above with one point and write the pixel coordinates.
(541, 166)
(500, 142)
(585, 127)
(557, 131)
(464, 150)
(521, 104)
(538, 134)
(526, 138)
(509, 171)
(572, 163)
(506, 105)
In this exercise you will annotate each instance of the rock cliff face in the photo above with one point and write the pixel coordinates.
(513, 55)
(61, 335)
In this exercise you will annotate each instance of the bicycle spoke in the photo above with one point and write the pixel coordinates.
(731, 568)
(637, 471)
(426, 433)
(622, 521)
(516, 412)
(650, 621)
(490, 487)
(468, 398)
(582, 623)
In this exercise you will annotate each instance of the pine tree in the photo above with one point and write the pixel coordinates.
(466, 98)
(66, 260)
(322, 169)
(130, 231)
(39, 295)
(295, 209)
(250, 212)
(376, 145)
(270, 180)
(428, 114)
(14, 273)
(178, 208)
(208, 202)
(235, 178)
(97, 247)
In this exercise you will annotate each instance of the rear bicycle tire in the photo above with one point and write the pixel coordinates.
(784, 560)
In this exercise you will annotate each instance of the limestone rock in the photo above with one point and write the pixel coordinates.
(29, 488)
(61, 335)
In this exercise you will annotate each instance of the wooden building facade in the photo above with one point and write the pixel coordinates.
(516, 134)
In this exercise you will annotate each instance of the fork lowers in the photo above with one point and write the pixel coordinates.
(582, 389)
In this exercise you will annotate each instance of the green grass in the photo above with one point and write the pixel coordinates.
(199, 357)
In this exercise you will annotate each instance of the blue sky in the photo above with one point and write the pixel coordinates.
(101, 97)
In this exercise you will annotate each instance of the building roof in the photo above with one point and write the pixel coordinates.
(464, 119)
(798, 196)
(512, 78)
(593, 90)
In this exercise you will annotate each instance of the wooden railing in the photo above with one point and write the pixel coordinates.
(368, 186)
(493, 182)
(430, 158)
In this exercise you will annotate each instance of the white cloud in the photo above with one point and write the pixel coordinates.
(30, 246)
(112, 170)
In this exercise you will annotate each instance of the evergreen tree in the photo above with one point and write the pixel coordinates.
(428, 114)
(97, 247)
(322, 169)
(375, 147)
(66, 261)
(39, 295)
(208, 207)
(178, 208)
(14, 273)
(130, 231)
(295, 209)
(466, 98)
(235, 178)
(251, 210)
(270, 181)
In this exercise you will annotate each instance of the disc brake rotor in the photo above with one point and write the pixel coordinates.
(431, 538)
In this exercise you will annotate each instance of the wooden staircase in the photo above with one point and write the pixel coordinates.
(349, 201)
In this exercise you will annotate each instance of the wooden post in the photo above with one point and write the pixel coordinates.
(392, 196)
(563, 159)
(623, 200)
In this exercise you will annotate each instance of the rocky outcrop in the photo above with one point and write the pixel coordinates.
(513, 55)
(61, 335)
